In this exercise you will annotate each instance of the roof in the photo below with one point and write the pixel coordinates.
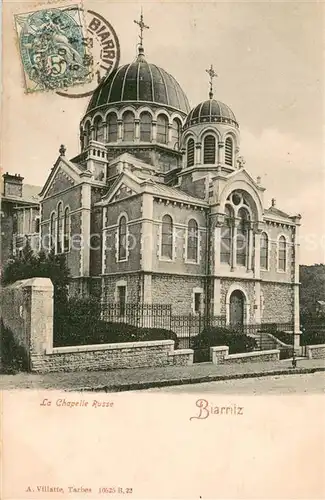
(276, 211)
(30, 194)
(140, 81)
(159, 189)
(211, 111)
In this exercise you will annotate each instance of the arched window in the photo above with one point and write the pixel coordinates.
(190, 153)
(122, 239)
(229, 155)
(282, 254)
(66, 230)
(37, 225)
(145, 127)
(162, 129)
(86, 137)
(59, 228)
(99, 129)
(112, 127)
(209, 149)
(264, 251)
(192, 240)
(128, 126)
(52, 231)
(176, 134)
(242, 237)
(226, 237)
(167, 237)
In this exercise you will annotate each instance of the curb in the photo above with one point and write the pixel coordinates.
(135, 386)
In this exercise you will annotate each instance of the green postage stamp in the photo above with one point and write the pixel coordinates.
(53, 48)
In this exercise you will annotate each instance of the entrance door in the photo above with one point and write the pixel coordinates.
(237, 308)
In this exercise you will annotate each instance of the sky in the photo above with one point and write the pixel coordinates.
(269, 61)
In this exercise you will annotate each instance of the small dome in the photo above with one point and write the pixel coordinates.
(143, 82)
(211, 111)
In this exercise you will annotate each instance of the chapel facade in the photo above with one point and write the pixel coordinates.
(159, 207)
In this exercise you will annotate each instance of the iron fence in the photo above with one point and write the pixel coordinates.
(95, 324)
(138, 314)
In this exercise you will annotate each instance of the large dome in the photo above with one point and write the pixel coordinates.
(211, 111)
(143, 82)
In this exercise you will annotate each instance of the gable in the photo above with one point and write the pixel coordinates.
(123, 192)
(244, 176)
(60, 182)
(125, 185)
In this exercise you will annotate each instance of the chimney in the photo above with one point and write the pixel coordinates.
(13, 185)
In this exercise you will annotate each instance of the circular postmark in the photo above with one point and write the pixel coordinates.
(104, 48)
(52, 49)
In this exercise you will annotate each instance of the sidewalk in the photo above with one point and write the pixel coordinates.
(144, 378)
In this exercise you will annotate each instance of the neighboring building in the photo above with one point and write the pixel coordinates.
(169, 180)
(19, 215)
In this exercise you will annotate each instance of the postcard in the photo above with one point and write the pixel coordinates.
(162, 250)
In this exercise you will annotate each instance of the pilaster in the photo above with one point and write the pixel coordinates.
(234, 246)
(198, 153)
(154, 130)
(147, 233)
(250, 248)
(85, 229)
(257, 306)
(257, 259)
(216, 297)
(119, 130)
(221, 153)
(137, 130)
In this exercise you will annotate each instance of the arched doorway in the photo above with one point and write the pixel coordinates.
(237, 305)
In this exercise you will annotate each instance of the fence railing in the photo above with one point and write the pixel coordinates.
(184, 325)
(141, 315)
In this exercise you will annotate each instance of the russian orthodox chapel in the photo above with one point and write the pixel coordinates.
(159, 207)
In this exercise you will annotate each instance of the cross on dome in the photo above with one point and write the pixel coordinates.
(212, 74)
(142, 27)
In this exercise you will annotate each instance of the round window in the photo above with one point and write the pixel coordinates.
(236, 199)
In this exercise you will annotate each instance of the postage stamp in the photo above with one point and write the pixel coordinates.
(104, 46)
(53, 48)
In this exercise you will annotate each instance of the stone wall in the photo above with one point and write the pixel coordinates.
(27, 313)
(111, 356)
(219, 355)
(277, 304)
(132, 283)
(316, 351)
(176, 290)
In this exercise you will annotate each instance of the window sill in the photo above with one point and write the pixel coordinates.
(195, 262)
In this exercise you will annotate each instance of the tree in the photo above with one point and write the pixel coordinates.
(312, 289)
(44, 265)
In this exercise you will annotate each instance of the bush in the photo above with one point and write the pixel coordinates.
(285, 337)
(75, 319)
(312, 336)
(157, 334)
(13, 358)
(78, 323)
(216, 336)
